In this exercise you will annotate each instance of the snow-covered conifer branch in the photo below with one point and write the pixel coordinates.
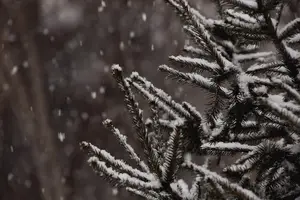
(233, 147)
(254, 114)
(293, 39)
(253, 56)
(290, 90)
(167, 99)
(173, 155)
(217, 188)
(142, 194)
(133, 109)
(196, 79)
(233, 187)
(151, 98)
(283, 112)
(122, 139)
(192, 110)
(196, 51)
(247, 5)
(289, 61)
(197, 63)
(265, 67)
(289, 29)
(122, 179)
(118, 164)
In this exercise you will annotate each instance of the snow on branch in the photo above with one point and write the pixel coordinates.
(196, 79)
(289, 29)
(118, 164)
(131, 104)
(137, 118)
(293, 39)
(255, 108)
(260, 68)
(249, 5)
(195, 51)
(231, 147)
(233, 187)
(254, 56)
(198, 63)
(167, 99)
(122, 179)
(122, 139)
(291, 117)
(173, 155)
(290, 90)
(151, 98)
(143, 194)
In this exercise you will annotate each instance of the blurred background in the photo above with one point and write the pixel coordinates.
(55, 59)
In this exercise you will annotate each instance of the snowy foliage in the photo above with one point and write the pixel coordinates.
(254, 113)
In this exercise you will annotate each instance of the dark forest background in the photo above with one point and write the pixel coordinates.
(55, 58)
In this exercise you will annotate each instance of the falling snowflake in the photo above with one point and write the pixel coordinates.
(132, 34)
(115, 191)
(61, 136)
(14, 70)
(84, 116)
(46, 31)
(102, 90)
(10, 176)
(25, 64)
(152, 47)
(122, 46)
(144, 17)
(129, 3)
(94, 95)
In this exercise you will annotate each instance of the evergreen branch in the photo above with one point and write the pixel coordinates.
(196, 51)
(142, 194)
(155, 100)
(291, 91)
(293, 39)
(193, 111)
(249, 5)
(238, 190)
(279, 10)
(242, 16)
(231, 147)
(197, 63)
(181, 189)
(289, 29)
(253, 56)
(171, 124)
(122, 178)
(196, 79)
(291, 117)
(289, 61)
(255, 112)
(161, 95)
(173, 156)
(156, 125)
(122, 139)
(196, 187)
(198, 117)
(217, 188)
(206, 37)
(244, 25)
(119, 164)
(136, 116)
(177, 5)
(248, 165)
(261, 68)
(257, 134)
